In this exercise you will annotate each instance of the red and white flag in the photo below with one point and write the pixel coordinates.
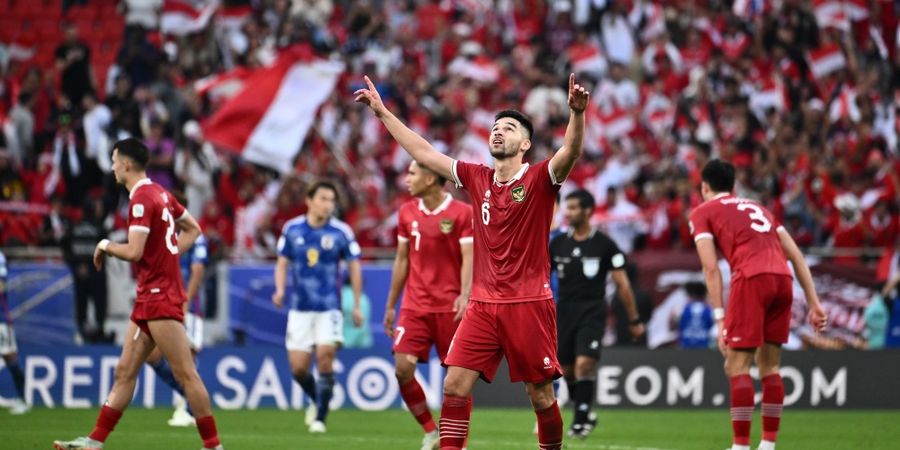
(181, 17)
(587, 58)
(856, 10)
(232, 14)
(223, 86)
(825, 60)
(831, 13)
(617, 123)
(267, 122)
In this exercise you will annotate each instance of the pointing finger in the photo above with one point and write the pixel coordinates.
(571, 81)
(369, 82)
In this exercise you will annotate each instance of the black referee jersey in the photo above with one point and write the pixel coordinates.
(581, 266)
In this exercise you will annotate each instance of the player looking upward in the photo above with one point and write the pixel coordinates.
(511, 311)
(758, 316)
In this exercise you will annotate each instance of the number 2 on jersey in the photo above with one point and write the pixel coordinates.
(759, 222)
(171, 243)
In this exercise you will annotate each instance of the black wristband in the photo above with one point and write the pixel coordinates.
(636, 321)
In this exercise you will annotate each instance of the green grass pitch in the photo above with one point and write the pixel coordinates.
(491, 429)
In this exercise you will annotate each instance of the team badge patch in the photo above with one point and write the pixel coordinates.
(446, 226)
(518, 193)
(590, 267)
(327, 242)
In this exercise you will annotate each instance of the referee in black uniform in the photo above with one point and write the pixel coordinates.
(582, 258)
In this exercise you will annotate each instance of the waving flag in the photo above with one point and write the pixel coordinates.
(181, 17)
(267, 121)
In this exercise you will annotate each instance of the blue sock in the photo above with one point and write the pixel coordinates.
(308, 383)
(326, 391)
(18, 378)
(164, 372)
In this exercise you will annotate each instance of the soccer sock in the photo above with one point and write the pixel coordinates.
(550, 428)
(164, 372)
(206, 426)
(326, 390)
(18, 378)
(741, 408)
(581, 398)
(455, 414)
(308, 384)
(772, 403)
(414, 397)
(106, 422)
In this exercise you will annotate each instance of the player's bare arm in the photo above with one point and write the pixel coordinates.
(131, 251)
(188, 232)
(706, 249)
(623, 286)
(398, 281)
(465, 284)
(193, 286)
(281, 266)
(565, 158)
(415, 145)
(355, 269)
(817, 317)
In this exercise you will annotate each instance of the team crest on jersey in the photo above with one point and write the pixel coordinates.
(137, 210)
(518, 193)
(590, 267)
(327, 242)
(446, 226)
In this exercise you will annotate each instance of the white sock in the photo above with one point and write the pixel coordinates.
(740, 447)
(766, 445)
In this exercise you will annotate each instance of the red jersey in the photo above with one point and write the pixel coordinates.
(435, 255)
(154, 211)
(744, 231)
(512, 229)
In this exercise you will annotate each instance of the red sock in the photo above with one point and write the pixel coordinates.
(207, 428)
(455, 415)
(414, 397)
(772, 403)
(550, 428)
(741, 408)
(106, 422)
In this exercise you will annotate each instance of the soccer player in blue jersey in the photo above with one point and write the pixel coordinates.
(8, 345)
(193, 269)
(312, 247)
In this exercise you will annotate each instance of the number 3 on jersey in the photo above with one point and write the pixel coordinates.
(759, 222)
(171, 243)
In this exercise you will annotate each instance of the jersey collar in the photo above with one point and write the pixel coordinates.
(722, 195)
(515, 177)
(141, 182)
(441, 208)
(571, 233)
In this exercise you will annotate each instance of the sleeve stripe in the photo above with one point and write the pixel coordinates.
(466, 240)
(552, 175)
(780, 229)
(183, 216)
(701, 236)
(140, 228)
(402, 239)
(455, 174)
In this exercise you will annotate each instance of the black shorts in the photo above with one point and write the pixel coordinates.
(580, 326)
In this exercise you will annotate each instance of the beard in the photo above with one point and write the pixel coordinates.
(502, 152)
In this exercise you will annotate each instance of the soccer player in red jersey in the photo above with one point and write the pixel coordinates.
(434, 262)
(758, 316)
(511, 311)
(159, 228)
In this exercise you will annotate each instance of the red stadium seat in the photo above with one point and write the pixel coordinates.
(77, 13)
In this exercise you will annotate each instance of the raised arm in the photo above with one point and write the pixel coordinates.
(415, 145)
(564, 159)
(817, 317)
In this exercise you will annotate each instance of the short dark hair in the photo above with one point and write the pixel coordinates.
(695, 290)
(133, 149)
(440, 180)
(719, 175)
(585, 199)
(517, 116)
(321, 184)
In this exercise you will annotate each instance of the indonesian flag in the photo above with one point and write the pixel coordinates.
(831, 13)
(267, 121)
(587, 58)
(770, 95)
(181, 17)
(617, 123)
(21, 50)
(856, 10)
(233, 13)
(825, 60)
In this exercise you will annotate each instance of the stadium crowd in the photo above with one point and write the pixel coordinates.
(802, 96)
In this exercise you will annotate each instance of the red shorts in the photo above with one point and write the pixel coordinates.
(524, 332)
(156, 309)
(759, 311)
(417, 331)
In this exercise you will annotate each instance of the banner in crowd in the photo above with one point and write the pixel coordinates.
(259, 377)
